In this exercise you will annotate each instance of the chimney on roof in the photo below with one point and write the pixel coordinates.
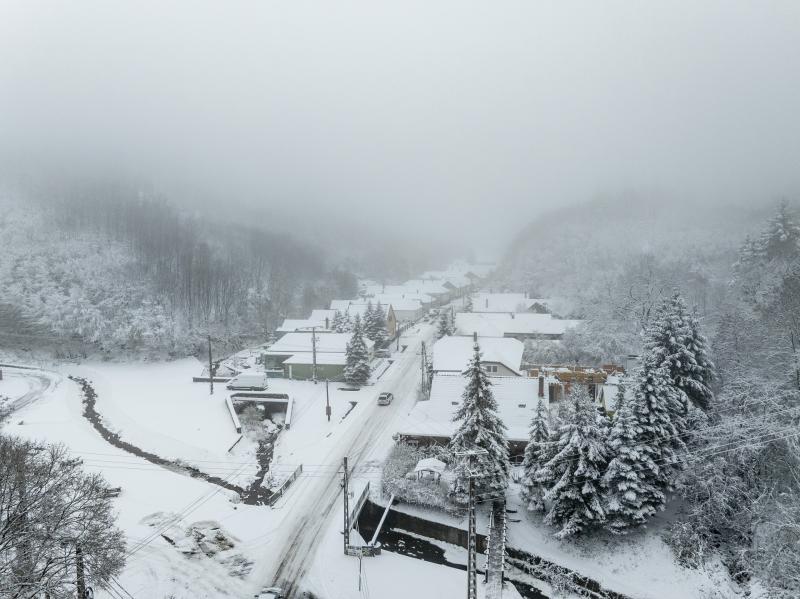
(487, 303)
(541, 385)
(475, 336)
(326, 323)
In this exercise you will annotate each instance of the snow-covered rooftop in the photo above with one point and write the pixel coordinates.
(323, 359)
(397, 302)
(293, 343)
(454, 353)
(294, 324)
(516, 399)
(353, 307)
(503, 302)
(426, 286)
(498, 324)
(322, 315)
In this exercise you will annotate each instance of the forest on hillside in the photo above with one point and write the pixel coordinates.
(111, 270)
(725, 313)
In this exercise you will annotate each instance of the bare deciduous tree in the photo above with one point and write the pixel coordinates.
(49, 510)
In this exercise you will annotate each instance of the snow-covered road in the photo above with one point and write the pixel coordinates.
(312, 503)
(38, 382)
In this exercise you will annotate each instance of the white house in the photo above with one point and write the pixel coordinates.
(432, 421)
(504, 302)
(405, 310)
(519, 326)
(295, 354)
(499, 356)
(291, 325)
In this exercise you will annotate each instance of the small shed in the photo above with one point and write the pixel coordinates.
(430, 467)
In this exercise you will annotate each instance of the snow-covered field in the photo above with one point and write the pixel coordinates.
(156, 407)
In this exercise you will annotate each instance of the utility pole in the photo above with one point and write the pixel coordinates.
(346, 506)
(210, 366)
(472, 548)
(327, 401)
(472, 543)
(314, 354)
(81, 580)
(423, 368)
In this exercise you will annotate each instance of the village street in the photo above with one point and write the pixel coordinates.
(315, 500)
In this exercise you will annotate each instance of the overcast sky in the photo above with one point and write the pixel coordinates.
(470, 116)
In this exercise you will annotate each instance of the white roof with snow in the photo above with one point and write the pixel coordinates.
(353, 307)
(323, 359)
(398, 303)
(503, 302)
(293, 343)
(429, 287)
(516, 397)
(322, 315)
(498, 324)
(454, 353)
(294, 324)
(430, 465)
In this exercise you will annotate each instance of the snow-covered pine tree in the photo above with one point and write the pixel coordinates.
(538, 452)
(659, 434)
(479, 427)
(698, 386)
(444, 325)
(368, 321)
(577, 468)
(781, 238)
(468, 307)
(379, 325)
(672, 343)
(348, 323)
(338, 325)
(356, 370)
(632, 495)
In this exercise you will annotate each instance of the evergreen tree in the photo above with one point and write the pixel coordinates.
(348, 323)
(660, 440)
(468, 307)
(537, 452)
(339, 322)
(356, 370)
(577, 468)
(379, 331)
(781, 238)
(368, 322)
(698, 384)
(674, 341)
(632, 495)
(444, 325)
(480, 428)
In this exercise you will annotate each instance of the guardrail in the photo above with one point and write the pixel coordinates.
(287, 422)
(278, 493)
(362, 499)
(234, 416)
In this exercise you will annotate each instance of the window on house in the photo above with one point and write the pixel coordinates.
(491, 367)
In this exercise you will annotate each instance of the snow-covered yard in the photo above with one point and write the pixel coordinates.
(158, 408)
(639, 565)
